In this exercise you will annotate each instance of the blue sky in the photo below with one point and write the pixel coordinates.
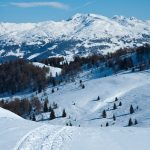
(43, 10)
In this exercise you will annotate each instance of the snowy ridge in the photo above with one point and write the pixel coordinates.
(7, 114)
(82, 34)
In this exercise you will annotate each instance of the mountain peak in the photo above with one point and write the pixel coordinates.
(86, 16)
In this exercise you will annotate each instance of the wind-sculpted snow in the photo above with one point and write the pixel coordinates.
(82, 34)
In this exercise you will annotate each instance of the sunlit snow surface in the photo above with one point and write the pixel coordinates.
(130, 88)
(18, 134)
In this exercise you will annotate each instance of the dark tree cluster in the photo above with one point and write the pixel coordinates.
(74, 66)
(19, 75)
(119, 60)
(131, 122)
(54, 61)
(22, 107)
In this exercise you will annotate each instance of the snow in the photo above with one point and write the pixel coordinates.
(130, 88)
(26, 135)
(33, 56)
(7, 114)
(82, 107)
(88, 28)
(52, 70)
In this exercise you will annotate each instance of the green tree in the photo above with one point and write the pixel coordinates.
(104, 115)
(131, 109)
(64, 113)
(130, 123)
(52, 115)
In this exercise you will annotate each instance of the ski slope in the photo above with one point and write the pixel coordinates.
(18, 134)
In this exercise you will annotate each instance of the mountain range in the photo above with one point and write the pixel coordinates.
(82, 34)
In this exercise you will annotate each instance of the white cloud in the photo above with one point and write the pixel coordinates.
(38, 4)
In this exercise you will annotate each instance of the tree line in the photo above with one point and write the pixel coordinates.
(19, 75)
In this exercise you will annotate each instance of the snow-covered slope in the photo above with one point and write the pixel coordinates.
(82, 34)
(18, 134)
(7, 114)
(13, 128)
(83, 108)
(52, 70)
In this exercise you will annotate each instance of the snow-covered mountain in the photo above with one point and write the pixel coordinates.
(82, 34)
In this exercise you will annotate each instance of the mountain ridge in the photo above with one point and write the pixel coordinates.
(82, 34)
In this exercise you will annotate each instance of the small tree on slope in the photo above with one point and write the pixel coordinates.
(131, 109)
(130, 123)
(104, 115)
(64, 113)
(45, 109)
(52, 115)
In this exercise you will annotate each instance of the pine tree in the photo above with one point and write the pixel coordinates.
(107, 124)
(55, 106)
(50, 108)
(135, 122)
(114, 107)
(70, 124)
(80, 81)
(33, 118)
(120, 103)
(53, 90)
(98, 98)
(104, 115)
(130, 123)
(114, 117)
(116, 99)
(52, 115)
(64, 113)
(131, 109)
(45, 109)
(83, 86)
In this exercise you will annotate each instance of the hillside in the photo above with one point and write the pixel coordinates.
(83, 108)
(18, 134)
(82, 34)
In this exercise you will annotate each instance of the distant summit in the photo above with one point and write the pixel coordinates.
(82, 34)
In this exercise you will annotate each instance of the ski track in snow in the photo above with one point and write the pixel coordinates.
(45, 138)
